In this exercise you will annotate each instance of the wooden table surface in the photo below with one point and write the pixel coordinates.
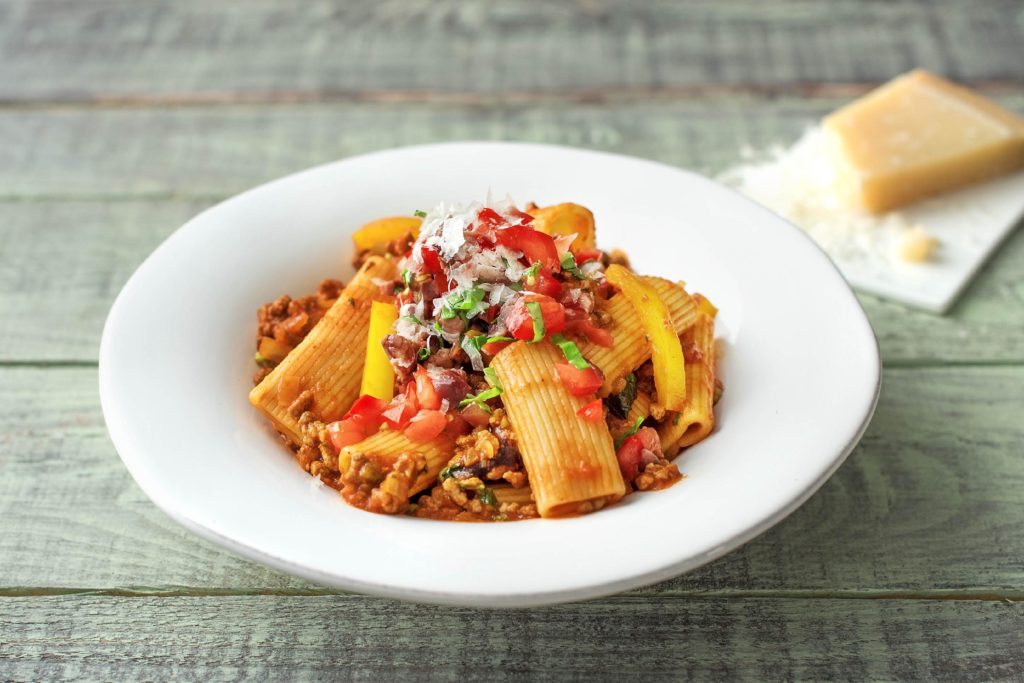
(119, 119)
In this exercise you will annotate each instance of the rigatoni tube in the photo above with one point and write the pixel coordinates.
(571, 462)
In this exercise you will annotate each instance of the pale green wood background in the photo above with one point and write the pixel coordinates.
(120, 119)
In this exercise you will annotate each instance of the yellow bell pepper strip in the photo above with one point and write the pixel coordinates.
(378, 375)
(666, 350)
(376, 235)
(566, 219)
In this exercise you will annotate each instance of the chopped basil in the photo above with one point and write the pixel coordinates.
(568, 264)
(466, 304)
(407, 277)
(629, 432)
(571, 352)
(482, 340)
(481, 398)
(263, 361)
(413, 319)
(419, 214)
(492, 378)
(621, 402)
(532, 270)
(538, 321)
(487, 497)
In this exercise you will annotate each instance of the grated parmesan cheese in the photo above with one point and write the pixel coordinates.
(799, 183)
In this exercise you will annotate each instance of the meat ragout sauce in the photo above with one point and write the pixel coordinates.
(471, 283)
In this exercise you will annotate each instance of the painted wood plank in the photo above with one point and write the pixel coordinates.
(929, 503)
(345, 638)
(213, 152)
(70, 50)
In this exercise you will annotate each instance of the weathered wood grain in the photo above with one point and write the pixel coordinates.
(190, 157)
(213, 152)
(348, 638)
(193, 50)
(929, 503)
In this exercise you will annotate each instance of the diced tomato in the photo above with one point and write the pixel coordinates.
(520, 320)
(425, 425)
(629, 455)
(366, 411)
(593, 333)
(426, 394)
(490, 314)
(579, 382)
(587, 254)
(402, 407)
(492, 348)
(592, 412)
(431, 260)
(535, 245)
(490, 218)
(544, 283)
(345, 433)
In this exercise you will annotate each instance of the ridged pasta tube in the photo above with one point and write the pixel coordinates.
(571, 462)
(386, 446)
(329, 361)
(697, 418)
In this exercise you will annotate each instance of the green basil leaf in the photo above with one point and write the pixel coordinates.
(621, 402)
(571, 352)
(538, 321)
(419, 214)
(487, 497)
(568, 264)
(630, 432)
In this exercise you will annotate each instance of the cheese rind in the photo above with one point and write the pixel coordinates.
(917, 136)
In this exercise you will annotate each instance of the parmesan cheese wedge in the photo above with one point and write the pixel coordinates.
(918, 136)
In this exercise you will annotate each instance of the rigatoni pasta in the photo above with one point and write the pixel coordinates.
(508, 369)
(325, 362)
(697, 419)
(571, 462)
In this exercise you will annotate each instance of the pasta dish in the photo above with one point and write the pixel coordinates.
(488, 363)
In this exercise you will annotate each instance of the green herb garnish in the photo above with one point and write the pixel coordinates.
(413, 319)
(571, 352)
(482, 340)
(419, 214)
(482, 398)
(492, 378)
(487, 497)
(629, 432)
(407, 277)
(621, 402)
(263, 361)
(539, 329)
(532, 271)
(568, 264)
(466, 304)
(423, 353)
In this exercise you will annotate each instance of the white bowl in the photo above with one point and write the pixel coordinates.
(800, 366)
